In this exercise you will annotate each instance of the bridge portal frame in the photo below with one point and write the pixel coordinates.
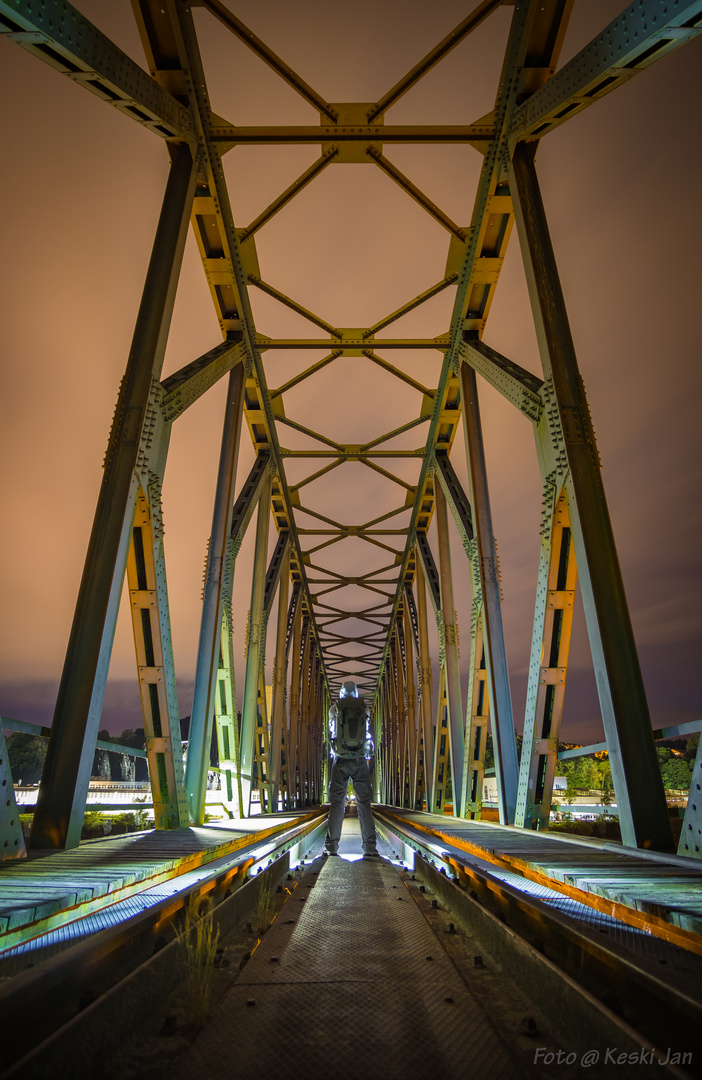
(531, 102)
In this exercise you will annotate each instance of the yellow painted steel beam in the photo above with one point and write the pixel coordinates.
(172, 46)
(148, 606)
(433, 57)
(227, 135)
(536, 37)
(281, 68)
(352, 343)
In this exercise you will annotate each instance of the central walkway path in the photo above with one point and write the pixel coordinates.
(349, 981)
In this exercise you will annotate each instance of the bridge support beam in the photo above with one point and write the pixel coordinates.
(500, 697)
(425, 703)
(635, 771)
(61, 802)
(413, 741)
(255, 646)
(294, 708)
(208, 654)
(148, 595)
(279, 672)
(453, 678)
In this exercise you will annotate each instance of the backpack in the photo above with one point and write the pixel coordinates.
(350, 727)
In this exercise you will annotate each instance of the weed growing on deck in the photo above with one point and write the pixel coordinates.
(198, 944)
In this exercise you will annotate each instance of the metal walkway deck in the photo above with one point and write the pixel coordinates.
(353, 964)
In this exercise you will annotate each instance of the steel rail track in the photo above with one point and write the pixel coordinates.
(649, 987)
(49, 998)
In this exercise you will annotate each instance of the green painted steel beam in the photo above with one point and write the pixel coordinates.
(66, 776)
(60, 35)
(644, 33)
(673, 732)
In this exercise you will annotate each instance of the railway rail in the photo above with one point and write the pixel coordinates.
(606, 973)
(553, 976)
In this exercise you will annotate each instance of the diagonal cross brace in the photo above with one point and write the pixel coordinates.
(247, 499)
(184, 387)
(273, 572)
(431, 572)
(456, 496)
(515, 383)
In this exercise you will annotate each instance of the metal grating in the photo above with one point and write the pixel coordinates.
(360, 972)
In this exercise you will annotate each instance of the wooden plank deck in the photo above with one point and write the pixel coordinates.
(50, 890)
(662, 897)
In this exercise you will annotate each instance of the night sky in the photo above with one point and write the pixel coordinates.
(81, 189)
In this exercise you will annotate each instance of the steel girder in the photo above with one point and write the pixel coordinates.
(173, 102)
(636, 774)
(135, 444)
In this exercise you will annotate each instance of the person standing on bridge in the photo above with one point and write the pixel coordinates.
(351, 746)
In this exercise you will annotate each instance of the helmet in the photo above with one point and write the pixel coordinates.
(349, 689)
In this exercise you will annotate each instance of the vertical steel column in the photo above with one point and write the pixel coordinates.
(405, 759)
(279, 672)
(442, 746)
(553, 620)
(380, 738)
(390, 734)
(317, 729)
(311, 728)
(255, 646)
(326, 771)
(294, 735)
(503, 734)
(636, 774)
(61, 801)
(226, 716)
(148, 602)
(476, 716)
(412, 739)
(425, 686)
(12, 845)
(691, 836)
(261, 740)
(453, 676)
(304, 723)
(207, 667)
(400, 727)
(396, 725)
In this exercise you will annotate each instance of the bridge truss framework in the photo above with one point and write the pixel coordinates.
(285, 754)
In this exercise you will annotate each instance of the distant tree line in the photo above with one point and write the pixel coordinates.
(593, 772)
(26, 754)
(108, 765)
(590, 772)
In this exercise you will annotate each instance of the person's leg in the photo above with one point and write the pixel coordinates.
(362, 786)
(337, 797)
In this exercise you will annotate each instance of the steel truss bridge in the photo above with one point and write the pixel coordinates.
(322, 630)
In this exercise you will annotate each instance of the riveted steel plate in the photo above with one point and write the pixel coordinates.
(356, 984)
